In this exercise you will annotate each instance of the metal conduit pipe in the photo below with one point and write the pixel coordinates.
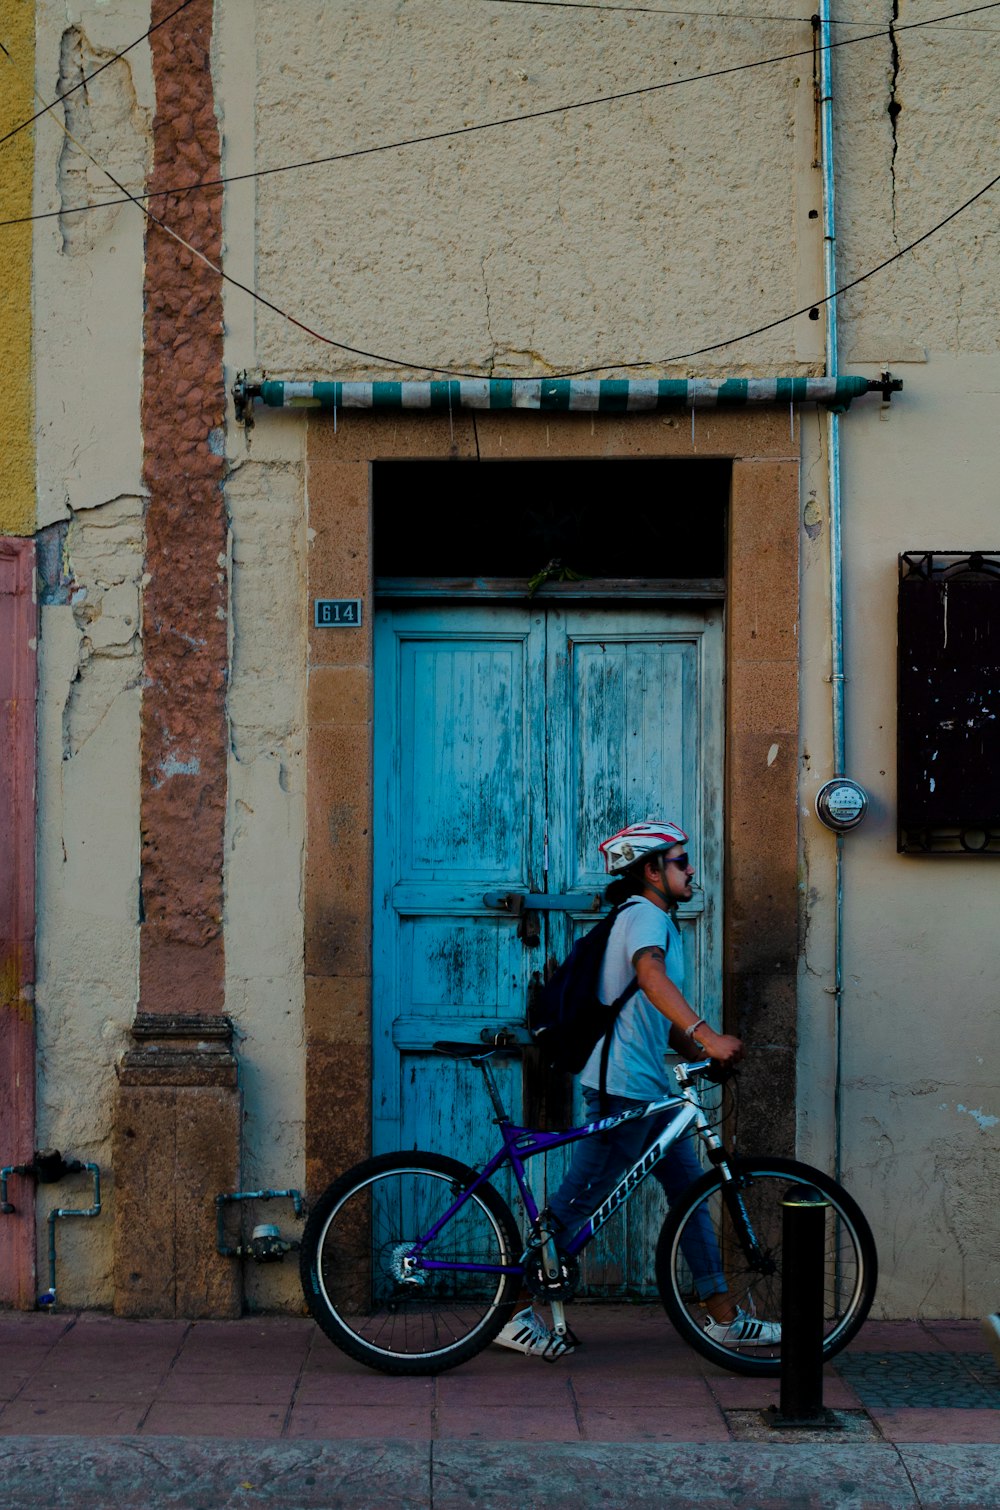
(834, 505)
(48, 1299)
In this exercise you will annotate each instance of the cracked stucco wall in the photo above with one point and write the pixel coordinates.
(88, 339)
(90, 672)
(88, 294)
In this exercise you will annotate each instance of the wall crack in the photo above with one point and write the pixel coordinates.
(893, 109)
(489, 328)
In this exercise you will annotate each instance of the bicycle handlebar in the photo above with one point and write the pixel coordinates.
(503, 1043)
(704, 1069)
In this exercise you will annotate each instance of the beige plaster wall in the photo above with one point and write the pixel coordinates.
(644, 229)
(625, 232)
(90, 668)
(88, 297)
(921, 1098)
(88, 332)
(630, 231)
(265, 831)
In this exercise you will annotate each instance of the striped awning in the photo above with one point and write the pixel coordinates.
(555, 395)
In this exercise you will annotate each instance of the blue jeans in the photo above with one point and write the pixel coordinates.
(598, 1163)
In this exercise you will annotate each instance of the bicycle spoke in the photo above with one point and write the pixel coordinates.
(371, 1293)
(744, 1239)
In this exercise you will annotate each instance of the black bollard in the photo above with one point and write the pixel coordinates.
(803, 1262)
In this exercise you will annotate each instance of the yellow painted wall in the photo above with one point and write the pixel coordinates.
(17, 72)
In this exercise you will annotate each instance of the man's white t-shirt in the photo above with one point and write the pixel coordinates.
(642, 1034)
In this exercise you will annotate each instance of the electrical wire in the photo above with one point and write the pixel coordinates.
(396, 362)
(705, 15)
(648, 10)
(510, 120)
(86, 80)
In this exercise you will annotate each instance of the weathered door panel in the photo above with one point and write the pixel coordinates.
(459, 767)
(508, 743)
(640, 734)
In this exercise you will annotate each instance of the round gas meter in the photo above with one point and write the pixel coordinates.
(841, 804)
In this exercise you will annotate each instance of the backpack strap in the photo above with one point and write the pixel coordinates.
(616, 1006)
(602, 1087)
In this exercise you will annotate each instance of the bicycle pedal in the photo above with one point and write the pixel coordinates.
(569, 1340)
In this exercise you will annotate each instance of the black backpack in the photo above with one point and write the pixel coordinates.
(567, 1018)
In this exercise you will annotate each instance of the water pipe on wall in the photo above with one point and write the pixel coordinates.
(266, 1244)
(832, 422)
(47, 1167)
(48, 1299)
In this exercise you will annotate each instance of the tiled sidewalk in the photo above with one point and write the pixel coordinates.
(278, 1377)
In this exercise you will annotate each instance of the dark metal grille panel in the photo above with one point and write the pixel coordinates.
(948, 725)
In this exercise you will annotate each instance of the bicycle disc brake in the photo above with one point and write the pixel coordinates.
(563, 1288)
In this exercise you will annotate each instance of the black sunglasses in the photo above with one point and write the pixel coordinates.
(681, 860)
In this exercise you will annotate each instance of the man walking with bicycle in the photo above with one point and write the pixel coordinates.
(652, 875)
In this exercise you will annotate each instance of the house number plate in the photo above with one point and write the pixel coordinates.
(337, 613)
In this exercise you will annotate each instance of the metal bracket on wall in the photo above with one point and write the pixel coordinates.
(516, 902)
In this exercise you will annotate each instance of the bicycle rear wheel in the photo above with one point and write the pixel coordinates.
(377, 1304)
(851, 1269)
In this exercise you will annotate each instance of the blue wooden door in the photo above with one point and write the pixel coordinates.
(508, 742)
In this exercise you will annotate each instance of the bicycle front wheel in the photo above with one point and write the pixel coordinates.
(368, 1289)
(739, 1231)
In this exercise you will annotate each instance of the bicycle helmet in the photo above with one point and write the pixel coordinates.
(639, 841)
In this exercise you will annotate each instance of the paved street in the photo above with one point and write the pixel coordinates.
(101, 1412)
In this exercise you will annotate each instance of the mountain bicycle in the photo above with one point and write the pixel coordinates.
(413, 1262)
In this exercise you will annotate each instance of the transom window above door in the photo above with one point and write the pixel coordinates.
(550, 522)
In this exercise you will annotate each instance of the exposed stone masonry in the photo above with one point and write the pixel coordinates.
(183, 725)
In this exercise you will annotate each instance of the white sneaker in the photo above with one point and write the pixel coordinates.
(991, 1331)
(527, 1333)
(744, 1331)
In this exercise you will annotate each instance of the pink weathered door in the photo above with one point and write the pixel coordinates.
(18, 631)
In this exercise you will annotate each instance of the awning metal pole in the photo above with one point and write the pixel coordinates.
(552, 395)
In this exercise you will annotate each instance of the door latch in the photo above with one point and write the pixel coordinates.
(567, 901)
(529, 928)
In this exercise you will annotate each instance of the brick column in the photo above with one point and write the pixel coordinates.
(177, 1121)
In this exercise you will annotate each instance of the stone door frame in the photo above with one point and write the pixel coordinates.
(760, 910)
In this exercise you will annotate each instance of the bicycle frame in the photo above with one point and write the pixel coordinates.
(523, 1143)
